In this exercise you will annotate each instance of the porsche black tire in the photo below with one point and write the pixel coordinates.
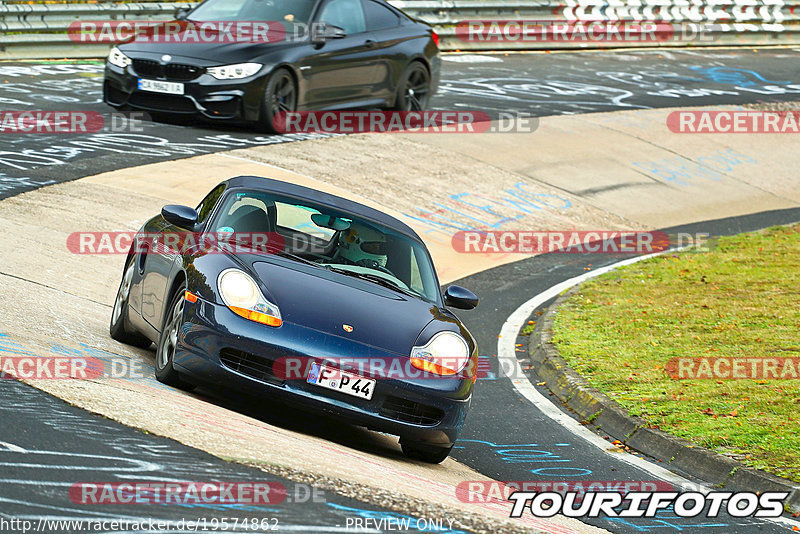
(168, 341)
(425, 453)
(119, 328)
(279, 95)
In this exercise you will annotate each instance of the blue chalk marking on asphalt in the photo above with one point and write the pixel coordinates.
(734, 76)
(659, 524)
(414, 523)
(13, 348)
(561, 471)
(711, 166)
(526, 453)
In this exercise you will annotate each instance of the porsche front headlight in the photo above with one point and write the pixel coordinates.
(234, 72)
(446, 353)
(241, 294)
(118, 59)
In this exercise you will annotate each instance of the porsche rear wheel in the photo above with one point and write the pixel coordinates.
(168, 342)
(119, 328)
(426, 453)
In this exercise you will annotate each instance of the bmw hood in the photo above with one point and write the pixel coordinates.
(346, 307)
(218, 49)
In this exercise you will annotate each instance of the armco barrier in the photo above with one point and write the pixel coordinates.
(39, 30)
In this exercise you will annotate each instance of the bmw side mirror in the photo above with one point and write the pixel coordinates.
(182, 12)
(180, 216)
(459, 297)
(324, 32)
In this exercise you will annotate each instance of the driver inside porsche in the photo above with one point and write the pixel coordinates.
(362, 245)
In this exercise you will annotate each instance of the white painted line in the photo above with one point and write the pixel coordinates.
(11, 447)
(506, 350)
(471, 58)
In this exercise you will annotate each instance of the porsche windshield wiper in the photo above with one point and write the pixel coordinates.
(376, 279)
(284, 254)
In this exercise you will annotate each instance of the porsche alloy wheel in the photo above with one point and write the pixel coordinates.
(168, 342)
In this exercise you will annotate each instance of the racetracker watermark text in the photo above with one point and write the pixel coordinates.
(70, 368)
(543, 242)
(721, 368)
(483, 491)
(70, 122)
(583, 31)
(444, 122)
(734, 122)
(177, 493)
(101, 243)
(185, 32)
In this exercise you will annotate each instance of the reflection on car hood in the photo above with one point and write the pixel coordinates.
(206, 53)
(326, 301)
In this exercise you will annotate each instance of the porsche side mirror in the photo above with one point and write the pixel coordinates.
(459, 297)
(182, 12)
(181, 216)
(324, 32)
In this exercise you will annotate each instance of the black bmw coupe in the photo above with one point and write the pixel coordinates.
(328, 54)
(277, 289)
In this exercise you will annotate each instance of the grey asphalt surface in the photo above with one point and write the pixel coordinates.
(508, 438)
(501, 421)
(48, 446)
(528, 84)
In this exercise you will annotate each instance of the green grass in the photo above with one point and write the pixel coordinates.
(742, 299)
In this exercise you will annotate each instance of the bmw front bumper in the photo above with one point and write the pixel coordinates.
(204, 95)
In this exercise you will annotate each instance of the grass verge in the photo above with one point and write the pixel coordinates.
(739, 300)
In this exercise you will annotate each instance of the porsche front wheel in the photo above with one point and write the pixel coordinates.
(168, 342)
(427, 453)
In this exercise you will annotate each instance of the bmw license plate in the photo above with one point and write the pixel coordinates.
(156, 86)
(338, 380)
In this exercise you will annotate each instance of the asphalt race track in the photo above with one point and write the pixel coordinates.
(527, 84)
(45, 444)
(506, 438)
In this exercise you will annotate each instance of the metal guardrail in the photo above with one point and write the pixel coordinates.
(40, 30)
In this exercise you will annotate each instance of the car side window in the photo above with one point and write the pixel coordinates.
(379, 17)
(346, 14)
(207, 205)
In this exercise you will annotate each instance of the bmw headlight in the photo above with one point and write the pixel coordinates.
(241, 294)
(234, 72)
(118, 59)
(446, 353)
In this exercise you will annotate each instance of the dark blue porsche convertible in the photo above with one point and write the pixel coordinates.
(330, 305)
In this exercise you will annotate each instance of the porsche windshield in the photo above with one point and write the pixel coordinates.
(340, 242)
(293, 11)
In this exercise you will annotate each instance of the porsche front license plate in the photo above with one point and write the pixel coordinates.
(155, 86)
(338, 380)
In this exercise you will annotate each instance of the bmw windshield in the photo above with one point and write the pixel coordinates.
(292, 11)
